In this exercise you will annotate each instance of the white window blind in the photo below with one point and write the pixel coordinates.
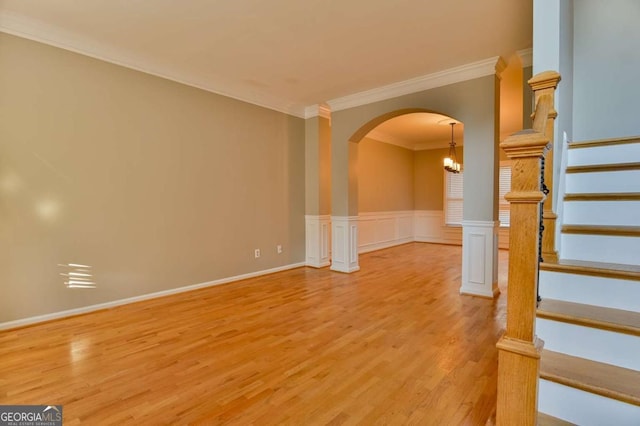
(453, 198)
(504, 187)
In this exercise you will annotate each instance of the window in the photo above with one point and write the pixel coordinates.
(453, 198)
(504, 187)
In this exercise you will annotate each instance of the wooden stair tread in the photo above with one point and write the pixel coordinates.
(611, 319)
(547, 420)
(603, 196)
(604, 142)
(602, 379)
(612, 167)
(599, 269)
(616, 230)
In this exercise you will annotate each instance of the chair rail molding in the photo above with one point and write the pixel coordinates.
(480, 258)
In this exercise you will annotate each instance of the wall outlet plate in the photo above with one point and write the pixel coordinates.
(256, 253)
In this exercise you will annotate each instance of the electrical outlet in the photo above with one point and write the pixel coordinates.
(256, 253)
(279, 249)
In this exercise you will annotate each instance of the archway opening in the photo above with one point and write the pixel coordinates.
(403, 192)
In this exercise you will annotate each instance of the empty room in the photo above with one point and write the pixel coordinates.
(313, 213)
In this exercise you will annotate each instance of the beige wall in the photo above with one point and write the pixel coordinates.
(511, 97)
(155, 184)
(385, 177)
(429, 178)
(317, 166)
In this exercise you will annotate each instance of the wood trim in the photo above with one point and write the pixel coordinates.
(604, 142)
(607, 196)
(616, 231)
(597, 168)
(544, 80)
(602, 379)
(547, 420)
(610, 319)
(519, 348)
(544, 85)
(598, 269)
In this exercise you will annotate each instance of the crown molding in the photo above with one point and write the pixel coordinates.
(418, 84)
(21, 27)
(422, 146)
(526, 57)
(501, 65)
(390, 139)
(318, 110)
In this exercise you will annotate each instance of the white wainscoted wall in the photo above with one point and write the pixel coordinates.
(377, 230)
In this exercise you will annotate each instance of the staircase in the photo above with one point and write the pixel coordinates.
(589, 317)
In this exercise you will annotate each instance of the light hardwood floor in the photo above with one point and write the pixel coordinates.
(392, 344)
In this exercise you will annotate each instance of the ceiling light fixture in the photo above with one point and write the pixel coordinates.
(451, 163)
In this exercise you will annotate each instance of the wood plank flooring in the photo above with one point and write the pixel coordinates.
(392, 344)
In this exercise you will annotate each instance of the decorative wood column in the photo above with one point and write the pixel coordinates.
(519, 349)
(544, 84)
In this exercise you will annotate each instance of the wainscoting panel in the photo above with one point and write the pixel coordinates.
(377, 230)
(344, 240)
(317, 240)
(480, 258)
(429, 227)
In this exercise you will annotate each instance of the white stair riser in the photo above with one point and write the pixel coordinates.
(616, 182)
(591, 290)
(627, 153)
(584, 408)
(601, 248)
(625, 213)
(591, 343)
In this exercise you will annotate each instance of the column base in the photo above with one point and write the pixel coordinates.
(318, 240)
(480, 258)
(344, 244)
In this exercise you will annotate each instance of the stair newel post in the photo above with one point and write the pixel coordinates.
(544, 84)
(519, 349)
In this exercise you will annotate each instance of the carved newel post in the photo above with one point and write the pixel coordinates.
(519, 349)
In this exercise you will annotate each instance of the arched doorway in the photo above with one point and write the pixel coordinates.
(404, 193)
(473, 102)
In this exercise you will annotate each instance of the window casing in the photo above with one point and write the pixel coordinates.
(453, 196)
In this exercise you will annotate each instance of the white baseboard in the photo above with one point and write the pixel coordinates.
(86, 309)
(379, 246)
(437, 241)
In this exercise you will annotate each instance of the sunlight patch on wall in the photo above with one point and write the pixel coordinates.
(48, 209)
(77, 275)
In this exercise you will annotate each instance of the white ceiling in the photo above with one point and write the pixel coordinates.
(418, 131)
(282, 54)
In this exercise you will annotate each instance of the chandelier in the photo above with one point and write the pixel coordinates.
(451, 163)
